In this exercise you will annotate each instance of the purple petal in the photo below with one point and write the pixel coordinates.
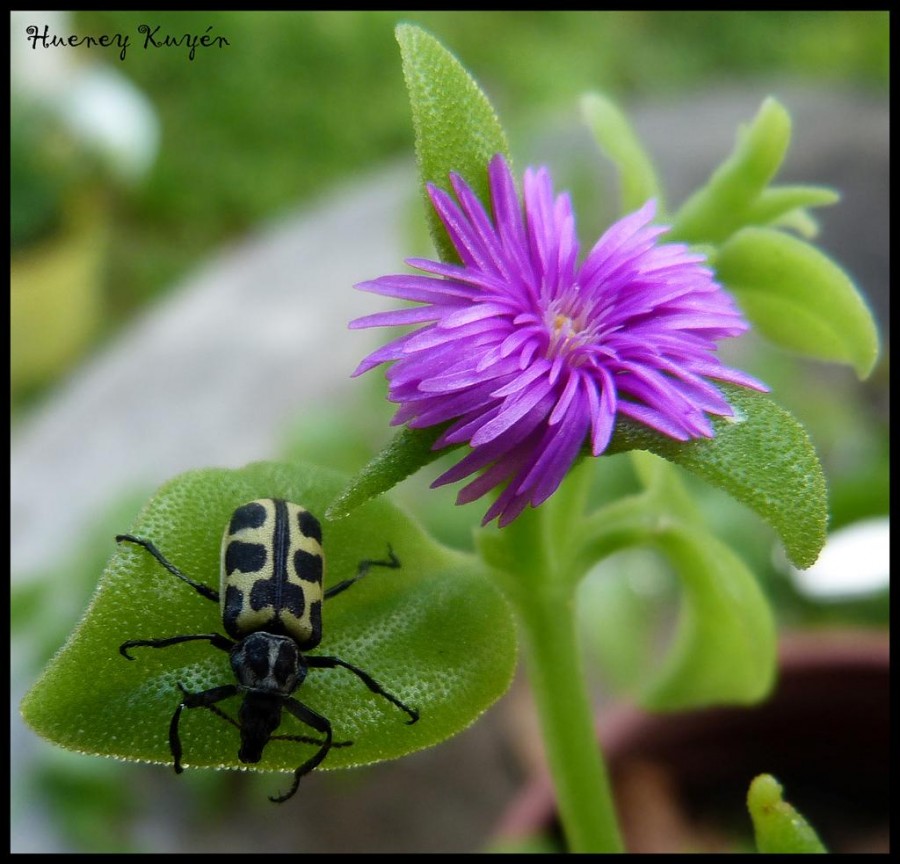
(512, 411)
(414, 315)
(422, 289)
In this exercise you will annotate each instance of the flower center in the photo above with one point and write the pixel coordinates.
(562, 332)
(567, 333)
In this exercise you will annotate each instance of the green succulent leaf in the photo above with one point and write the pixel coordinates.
(724, 649)
(414, 629)
(725, 202)
(776, 202)
(617, 138)
(455, 125)
(800, 221)
(407, 452)
(798, 297)
(779, 828)
(762, 457)
(724, 646)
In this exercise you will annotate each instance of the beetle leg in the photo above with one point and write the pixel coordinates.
(204, 699)
(306, 739)
(333, 662)
(220, 713)
(311, 718)
(204, 590)
(362, 568)
(216, 640)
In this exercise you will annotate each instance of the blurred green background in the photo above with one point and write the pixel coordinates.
(299, 100)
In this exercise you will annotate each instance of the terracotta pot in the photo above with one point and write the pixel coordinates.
(681, 779)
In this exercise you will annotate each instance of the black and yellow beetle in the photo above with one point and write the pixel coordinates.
(271, 605)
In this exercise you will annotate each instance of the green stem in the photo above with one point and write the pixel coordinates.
(533, 567)
(584, 797)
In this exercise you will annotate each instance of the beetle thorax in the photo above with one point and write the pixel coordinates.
(269, 663)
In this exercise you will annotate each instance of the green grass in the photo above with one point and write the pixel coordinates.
(298, 100)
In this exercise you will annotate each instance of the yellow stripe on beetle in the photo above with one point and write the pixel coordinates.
(272, 570)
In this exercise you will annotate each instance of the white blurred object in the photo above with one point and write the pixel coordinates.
(106, 111)
(100, 106)
(38, 71)
(854, 562)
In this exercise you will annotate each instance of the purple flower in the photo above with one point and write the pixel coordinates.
(529, 354)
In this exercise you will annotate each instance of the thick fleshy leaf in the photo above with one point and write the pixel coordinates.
(455, 125)
(414, 629)
(722, 205)
(779, 828)
(724, 649)
(798, 297)
(800, 221)
(616, 137)
(762, 457)
(407, 452)
(776, 202)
